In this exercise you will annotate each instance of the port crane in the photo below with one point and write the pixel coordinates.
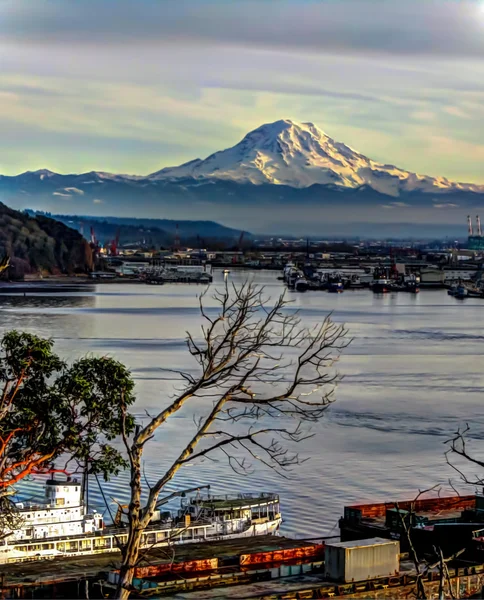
(114, 245)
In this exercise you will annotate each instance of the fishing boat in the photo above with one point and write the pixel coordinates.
(334, 283)
(461, 291)
(301, 285)
(61, 524)
(382, 286)
(336, 287)
(467, 291)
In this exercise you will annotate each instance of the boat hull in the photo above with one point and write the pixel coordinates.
(92, 544)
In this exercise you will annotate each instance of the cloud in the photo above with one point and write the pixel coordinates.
(455, 111)
(98, 201)
(411, 27)
(423, 115)
(395, 205)
(62, 195)
(74, 190)
(446, 205)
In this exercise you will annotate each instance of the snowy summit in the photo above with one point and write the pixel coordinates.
(300, 155)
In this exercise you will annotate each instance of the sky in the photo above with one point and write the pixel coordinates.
(131, 86)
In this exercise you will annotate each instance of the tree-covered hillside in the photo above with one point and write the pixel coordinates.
(41, 245)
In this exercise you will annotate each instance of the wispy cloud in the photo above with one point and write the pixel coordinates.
(455, 111)
(392, 205)
(74, 190)
(411, 27)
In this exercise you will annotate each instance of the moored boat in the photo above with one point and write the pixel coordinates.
(335, 287)
(61, 524)
(382, 286)
(301, 284)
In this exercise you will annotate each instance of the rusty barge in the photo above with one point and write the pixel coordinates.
(451, 522)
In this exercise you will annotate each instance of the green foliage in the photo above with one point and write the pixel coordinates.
(49, 409)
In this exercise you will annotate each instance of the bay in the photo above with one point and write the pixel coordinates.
(412, 376)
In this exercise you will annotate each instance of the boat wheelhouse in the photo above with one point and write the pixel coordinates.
(61, 513)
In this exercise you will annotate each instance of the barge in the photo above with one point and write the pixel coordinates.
(452, 522)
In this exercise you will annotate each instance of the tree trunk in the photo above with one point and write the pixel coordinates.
(130, 551)
(130, 558)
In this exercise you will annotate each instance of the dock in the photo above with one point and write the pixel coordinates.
(194, 557)
(371, 561)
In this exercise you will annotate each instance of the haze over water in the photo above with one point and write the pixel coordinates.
(413, 375)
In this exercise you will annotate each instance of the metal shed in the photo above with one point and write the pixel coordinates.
(362, 559)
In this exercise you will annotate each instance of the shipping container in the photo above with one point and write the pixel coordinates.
(362, 559)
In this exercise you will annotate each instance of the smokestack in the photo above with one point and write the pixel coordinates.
(469, 222)
(177, 238)
(478, 221)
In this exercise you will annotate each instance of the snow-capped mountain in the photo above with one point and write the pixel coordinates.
(283, 176)
(300, 155)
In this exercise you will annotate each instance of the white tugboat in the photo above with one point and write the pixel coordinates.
(62, 526)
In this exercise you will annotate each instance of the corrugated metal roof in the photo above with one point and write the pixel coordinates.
(362, 543)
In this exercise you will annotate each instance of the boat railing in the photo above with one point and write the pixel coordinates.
(263, 496)
(39, 506)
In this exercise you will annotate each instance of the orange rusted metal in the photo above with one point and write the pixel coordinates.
(182, 567)
(371, 511)
(282, 555)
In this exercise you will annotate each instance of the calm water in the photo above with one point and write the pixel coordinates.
(413, 375)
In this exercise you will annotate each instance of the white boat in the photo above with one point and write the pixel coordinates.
(382, 285)
(62, 526)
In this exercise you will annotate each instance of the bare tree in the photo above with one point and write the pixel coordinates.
(458, 449)
(406, 529)
(263, 377)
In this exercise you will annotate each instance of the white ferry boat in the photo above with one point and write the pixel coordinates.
(62, 526)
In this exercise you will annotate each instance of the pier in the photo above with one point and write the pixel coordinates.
(63, 576)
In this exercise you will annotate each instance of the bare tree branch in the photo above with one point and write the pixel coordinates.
(261, 375)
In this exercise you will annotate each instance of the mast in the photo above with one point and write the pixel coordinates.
(85, 488)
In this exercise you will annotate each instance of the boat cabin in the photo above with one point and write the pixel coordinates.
(251, 507)
(62, 512)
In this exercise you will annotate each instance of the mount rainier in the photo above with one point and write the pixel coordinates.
(282, 176)
(300, 155)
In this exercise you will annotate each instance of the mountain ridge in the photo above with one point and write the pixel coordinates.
(280, 176)
(284, 152)
(300, 155)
